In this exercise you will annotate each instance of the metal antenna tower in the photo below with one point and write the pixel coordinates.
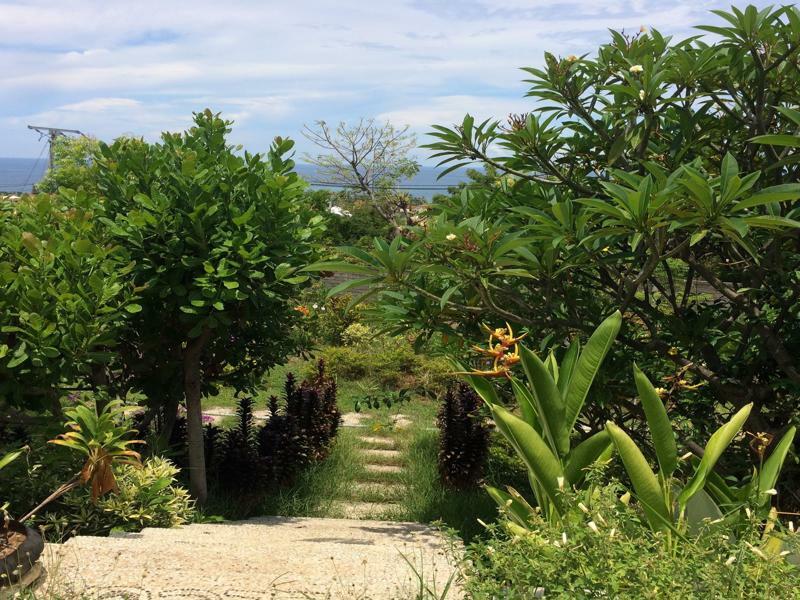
(51, 133)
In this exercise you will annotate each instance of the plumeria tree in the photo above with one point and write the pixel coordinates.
(215, 238)
(653, 177)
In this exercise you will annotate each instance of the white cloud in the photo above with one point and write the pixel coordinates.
(122, 67)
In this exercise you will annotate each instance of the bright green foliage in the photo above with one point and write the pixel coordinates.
(664, 503)
(633, 183)
(64, 294)
(608, 552)
(216, 238)
(72, 165)
(148, 496)
(551, 400)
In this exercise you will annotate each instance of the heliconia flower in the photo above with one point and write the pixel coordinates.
(302, 309)
(636, 69)
(730, 561)
(451, 236)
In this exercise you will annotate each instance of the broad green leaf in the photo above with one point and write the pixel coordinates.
(339, 267)
(588, 365)
(547, 401)
(585, 454)
(771, 469)
(484, 389)
(10, 457)
(519, 512)
(716, 445)
(778, 140)
(776, 193)
(645, 483)
(526, 403)
(568, 366)
(541, 462)
(700, 509)
(659, 424)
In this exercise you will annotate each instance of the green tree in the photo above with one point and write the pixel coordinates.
(215, 238)
(634, 183)
(72, 164)
(65, 293)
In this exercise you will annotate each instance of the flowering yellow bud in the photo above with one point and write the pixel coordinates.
(636, 69)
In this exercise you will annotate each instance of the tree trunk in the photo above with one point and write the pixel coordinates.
(192, 388)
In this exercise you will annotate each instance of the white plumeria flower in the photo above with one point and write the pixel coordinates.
(451, 236)
(641, 94)
(636, 69)
(315, 306)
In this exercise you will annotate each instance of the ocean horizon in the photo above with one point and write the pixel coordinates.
(20, 175)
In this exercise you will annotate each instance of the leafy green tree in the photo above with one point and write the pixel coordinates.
(214, 238)
(64, 296)
(72, 164)
(635, 183)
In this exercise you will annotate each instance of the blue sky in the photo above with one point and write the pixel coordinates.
(115, 67)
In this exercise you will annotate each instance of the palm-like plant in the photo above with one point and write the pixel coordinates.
(550, 402)
(98, 431)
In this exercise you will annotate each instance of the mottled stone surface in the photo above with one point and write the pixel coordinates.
(271, 557)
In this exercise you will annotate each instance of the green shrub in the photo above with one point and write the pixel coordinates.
(609, 552)
(358, 334)
(390, 362)
(148, 497)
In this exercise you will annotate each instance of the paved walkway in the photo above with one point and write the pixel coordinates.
(265, 558)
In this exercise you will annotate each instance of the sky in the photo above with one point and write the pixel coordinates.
(113, 67)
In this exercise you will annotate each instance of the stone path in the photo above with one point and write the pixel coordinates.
(376, 493)
(265, 558)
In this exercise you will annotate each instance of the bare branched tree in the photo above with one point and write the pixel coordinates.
(369, 158)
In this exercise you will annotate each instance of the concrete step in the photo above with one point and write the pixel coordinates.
(273, 557)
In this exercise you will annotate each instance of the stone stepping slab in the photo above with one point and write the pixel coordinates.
(382, 455)
(378, 442)
(372, 468)
(366, 510)
(275, 558)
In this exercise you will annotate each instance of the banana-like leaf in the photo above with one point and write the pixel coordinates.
(584, 454)
(645, 483)
(701, 509)
(10, 457)
(526, 404)
(541, 462)
(588, 365)
(547, 402)
(484, 389)
(716, 445)
(771, 469)
(658, 422)
(518, 511)
(568, 366)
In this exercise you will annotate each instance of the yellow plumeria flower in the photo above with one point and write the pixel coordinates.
(636, 69)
